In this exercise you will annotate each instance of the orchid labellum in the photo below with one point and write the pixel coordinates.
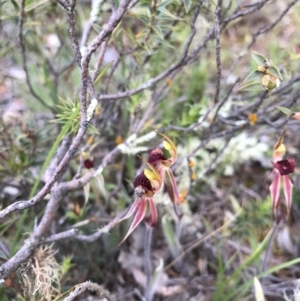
(282, 168)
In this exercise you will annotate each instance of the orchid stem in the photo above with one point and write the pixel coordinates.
(147, 261)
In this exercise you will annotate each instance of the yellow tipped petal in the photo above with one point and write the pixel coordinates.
(149, 174)
(155, 180)
(279, 149)
(169, 146)
(154, 176)
(153, 170)
(85, 155)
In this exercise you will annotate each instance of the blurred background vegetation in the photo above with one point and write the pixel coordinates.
(224, 142)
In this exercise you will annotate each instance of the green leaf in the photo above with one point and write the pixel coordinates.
(147, 47)
(158, 31)
(163, 42)
(103, 72)
(66, 264)
(34, 5)
(234, 278)
(259, 293)
(101, 185)
(252, 76)
(165, 3)
(187, 5)
(250, 87)
(170, 236)
(144, 18)
(259, 58)
(284, 110)
(86, 189)
(244, 287)
(275, 71)
(166, 14)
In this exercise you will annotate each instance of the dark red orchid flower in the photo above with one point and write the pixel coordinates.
(281, 169)
(88, 163)
(146, 185)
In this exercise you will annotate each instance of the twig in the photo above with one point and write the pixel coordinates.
(74, 233)
(218, 51)
(99, 60)
(89, 286)
(71, 20)
(104, 34)
(224, 100)
(241, 13)
(184, 60)
(272, 25)
(192, 34)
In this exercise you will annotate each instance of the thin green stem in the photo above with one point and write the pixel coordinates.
(147, 261)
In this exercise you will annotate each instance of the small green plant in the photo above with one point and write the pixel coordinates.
(266, 74)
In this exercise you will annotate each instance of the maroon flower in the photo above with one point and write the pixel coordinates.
(156, 156)
(146, 185)
(88, 163)
(142, 186)
(285, 167)
(281, 170)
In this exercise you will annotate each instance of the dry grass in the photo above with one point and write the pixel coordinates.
(42, 275)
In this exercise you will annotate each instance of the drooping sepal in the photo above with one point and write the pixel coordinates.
(131, 210)
(139, 216)
(275, 189)
(152, 219)
(175, 197)
(288, 192)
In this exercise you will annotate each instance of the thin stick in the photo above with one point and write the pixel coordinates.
(218, 52)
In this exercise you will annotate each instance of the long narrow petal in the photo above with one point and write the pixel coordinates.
(288, 192)
(153, 212)
(131, 210)
(139, 216)
(175, 192)
(275, 189)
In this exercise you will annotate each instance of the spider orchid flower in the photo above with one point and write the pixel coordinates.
(146, 185)
(282, 168)
(163, 163)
